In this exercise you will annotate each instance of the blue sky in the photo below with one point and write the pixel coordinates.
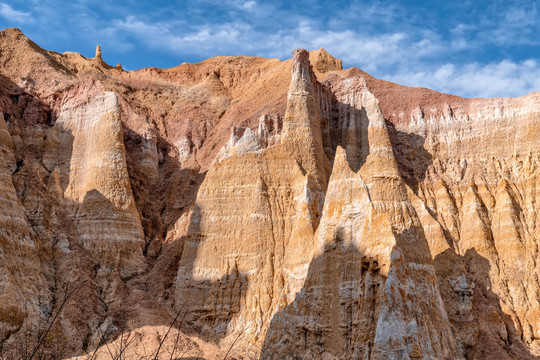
(468, 48)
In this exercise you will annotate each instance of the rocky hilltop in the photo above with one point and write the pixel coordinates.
(267, 209)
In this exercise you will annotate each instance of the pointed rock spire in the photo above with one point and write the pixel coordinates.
(98, 52)
(99, 60)
(302, 122)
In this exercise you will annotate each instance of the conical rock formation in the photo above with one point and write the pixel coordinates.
(283, 209)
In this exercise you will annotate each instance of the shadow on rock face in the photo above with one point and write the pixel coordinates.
(55, 259)
(482, 328)
(211, 304)
(412, 158)
(334, 313)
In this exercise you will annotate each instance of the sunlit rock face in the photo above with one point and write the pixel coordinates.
(85, 148)
(282, 210)
(481, 189)
(251, 229)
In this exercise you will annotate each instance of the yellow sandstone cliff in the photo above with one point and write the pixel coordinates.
(278, 210)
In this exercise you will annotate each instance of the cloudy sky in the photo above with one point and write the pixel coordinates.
(471, 48)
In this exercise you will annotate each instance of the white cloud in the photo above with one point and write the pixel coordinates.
(204, 40)
(370, 52)
(510, 24)
(505, 78)
(249, 5)
(386, 39)
(399, 56)
(16, 16)
(521, 16)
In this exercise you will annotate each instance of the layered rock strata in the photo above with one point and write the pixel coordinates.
(85, 154)
(371, 289)
(287, 209)
(249, 267)
(21, 280)
(481, 192)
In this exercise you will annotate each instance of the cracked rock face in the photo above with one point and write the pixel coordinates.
(287, 209)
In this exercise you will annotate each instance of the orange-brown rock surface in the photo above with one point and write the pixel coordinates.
(276, 209)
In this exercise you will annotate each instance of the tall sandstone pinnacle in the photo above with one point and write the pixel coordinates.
(371, 289)
(85, 152)
(252, 225)
(278, 261)
(302, 133)
(287, 209)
